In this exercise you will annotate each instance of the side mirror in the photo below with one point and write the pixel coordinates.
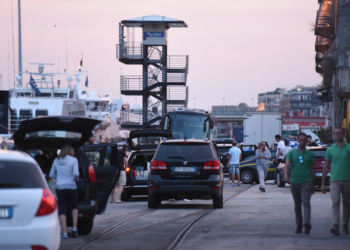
(211, 123)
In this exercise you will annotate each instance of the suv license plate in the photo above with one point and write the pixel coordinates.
(5, 212)
(184, 169)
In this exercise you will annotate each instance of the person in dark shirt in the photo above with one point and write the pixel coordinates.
(122, 164)
(310, 143)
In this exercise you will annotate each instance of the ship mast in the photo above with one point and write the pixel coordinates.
(19, 44)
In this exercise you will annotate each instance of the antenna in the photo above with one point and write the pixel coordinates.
(66, 54)
(13, 51)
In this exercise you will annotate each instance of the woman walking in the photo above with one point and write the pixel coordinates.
(66, 172)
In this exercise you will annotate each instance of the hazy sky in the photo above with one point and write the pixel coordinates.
(236, 49)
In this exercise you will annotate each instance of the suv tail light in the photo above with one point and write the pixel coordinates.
(158, 165)
(211, 165)
(48, 203)
(92, 174)
(38, 248)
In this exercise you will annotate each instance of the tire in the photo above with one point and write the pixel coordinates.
(280, 183)
(85, 227)
(153, 201)
(218, 201)
(125, 196)
(247, 176)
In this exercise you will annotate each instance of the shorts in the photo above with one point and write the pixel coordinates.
(64, 197)
(122, 178)
(234, 169)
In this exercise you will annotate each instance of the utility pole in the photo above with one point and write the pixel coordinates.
(224, 105)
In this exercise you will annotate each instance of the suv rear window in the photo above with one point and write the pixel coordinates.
(319, 153)
(185, 151)
(20, 175)
(54, 134)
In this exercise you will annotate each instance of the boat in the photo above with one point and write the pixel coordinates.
(48, 99)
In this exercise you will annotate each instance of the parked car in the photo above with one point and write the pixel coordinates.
(320, 156)
(183, 169)
(143, 144)
(97, 163)
(249, 172)
(28, 209)
(247, 150)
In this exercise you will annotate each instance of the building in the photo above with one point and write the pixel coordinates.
(299, 99)
(332, 48)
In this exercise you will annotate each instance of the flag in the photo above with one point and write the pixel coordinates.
(34, 86)
(87, 81)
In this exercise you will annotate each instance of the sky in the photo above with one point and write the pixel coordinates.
(237, 49)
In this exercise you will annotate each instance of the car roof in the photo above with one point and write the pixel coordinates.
(12, 155)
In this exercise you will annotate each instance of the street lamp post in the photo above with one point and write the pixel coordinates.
(224, 105)
(194, 99)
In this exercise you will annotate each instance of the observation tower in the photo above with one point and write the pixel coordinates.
(162, 83)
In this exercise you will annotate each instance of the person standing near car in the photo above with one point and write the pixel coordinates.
(286, 149)
(338, 156)
(302, 181)
(234, 157)
(279, 157)
(263, 156)
(122, 164)
(66, 172)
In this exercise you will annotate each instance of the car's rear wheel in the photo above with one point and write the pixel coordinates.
(218, 201)
(280, 183)
(247, 176)
(125, 196)
(153, 201)
(85, 227)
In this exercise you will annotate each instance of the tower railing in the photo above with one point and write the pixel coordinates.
(130, 50)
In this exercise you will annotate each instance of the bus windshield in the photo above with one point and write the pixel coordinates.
(191, 126)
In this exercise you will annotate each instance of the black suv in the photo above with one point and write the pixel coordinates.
(185, 169)
(97, 163)
(143, 144)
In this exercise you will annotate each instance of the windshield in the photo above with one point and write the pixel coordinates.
(319, 153)
(15, 174)
(183, 152)
(97, 106)
(223, 149)
(147, 141)
(186, 125)
(53, 134)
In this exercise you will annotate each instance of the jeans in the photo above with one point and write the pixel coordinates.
(262, 171)
(302, 194)
(276, 165)
(340, 188)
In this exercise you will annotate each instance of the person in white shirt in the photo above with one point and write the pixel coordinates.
(234, 157)
(279, 157)
(286, 149)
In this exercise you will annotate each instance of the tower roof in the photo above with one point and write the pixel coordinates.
(154, 19)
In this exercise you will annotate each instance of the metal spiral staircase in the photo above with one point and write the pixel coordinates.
(163, 82)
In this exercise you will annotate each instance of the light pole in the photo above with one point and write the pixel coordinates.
(194, 99)
(224, 105)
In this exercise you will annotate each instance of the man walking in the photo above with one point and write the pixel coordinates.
(279, 157)
(286, 149)
(301, 182)
(338, 156)
(263, 156)
(234, 157)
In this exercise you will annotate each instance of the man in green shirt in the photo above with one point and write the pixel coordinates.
(302, 185)
(338, 156)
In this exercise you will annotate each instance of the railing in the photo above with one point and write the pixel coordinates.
(130, 50)
(325, 23)
(177, 93)
(131, 82)
(177, 62)
(322, 44)
(319, 57)
(135, 117)
(16, 121)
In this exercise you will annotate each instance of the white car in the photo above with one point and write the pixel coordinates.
(28, 209)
